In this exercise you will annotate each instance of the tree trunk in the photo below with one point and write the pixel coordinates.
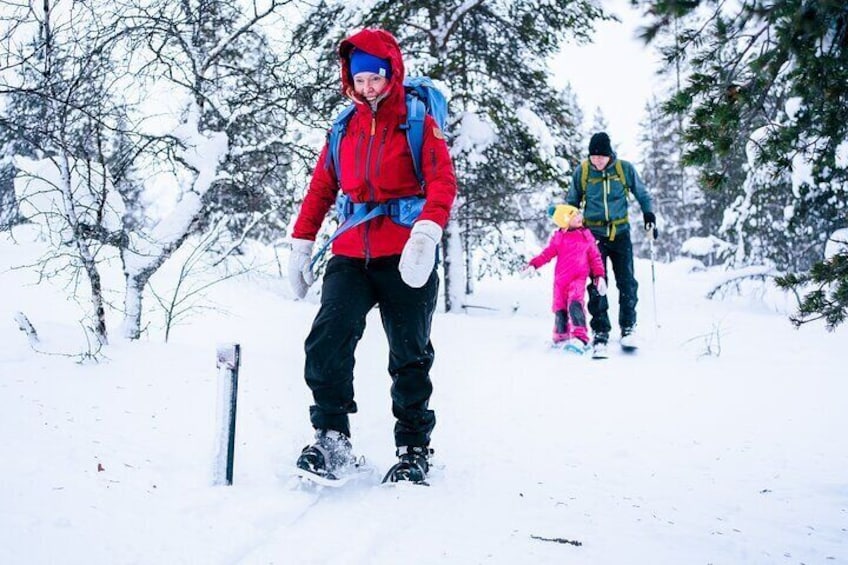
(97, 301)
(454, 275)
(135, 283)
(84, 252)
(465, 238)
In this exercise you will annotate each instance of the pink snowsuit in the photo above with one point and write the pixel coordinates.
(577, 258)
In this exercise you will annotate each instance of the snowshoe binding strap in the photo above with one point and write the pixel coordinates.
(413, 466)
(313, 459)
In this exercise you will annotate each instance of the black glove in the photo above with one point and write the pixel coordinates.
(650, 223)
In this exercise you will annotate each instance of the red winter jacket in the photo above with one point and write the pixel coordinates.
(376, 163)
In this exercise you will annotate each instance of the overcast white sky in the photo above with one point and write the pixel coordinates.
(616, 73)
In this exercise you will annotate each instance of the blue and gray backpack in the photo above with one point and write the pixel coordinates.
(422, 97)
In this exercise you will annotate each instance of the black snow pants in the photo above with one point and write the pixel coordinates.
(620, 254)
(350, 290)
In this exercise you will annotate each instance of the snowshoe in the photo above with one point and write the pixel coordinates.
(360, 472)
(575, 345)
(413, 465)
(328, 459)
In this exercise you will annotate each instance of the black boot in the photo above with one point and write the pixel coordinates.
(329, 457)
(413, 465)
(599, 345)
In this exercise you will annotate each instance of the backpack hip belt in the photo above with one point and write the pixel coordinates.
(402, 211)
(611, 225)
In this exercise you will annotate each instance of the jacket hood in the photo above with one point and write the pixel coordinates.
(380, 43)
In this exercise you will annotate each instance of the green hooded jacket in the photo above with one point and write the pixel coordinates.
(605, 200)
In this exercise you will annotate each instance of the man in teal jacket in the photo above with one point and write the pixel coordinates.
(601, 187)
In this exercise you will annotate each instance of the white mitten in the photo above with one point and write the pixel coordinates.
(601, 285)
(419, 254)
(527, 272)
(300, 275)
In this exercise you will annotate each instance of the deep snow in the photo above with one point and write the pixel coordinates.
(722, 441)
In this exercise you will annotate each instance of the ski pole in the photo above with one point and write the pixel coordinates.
(652, 235)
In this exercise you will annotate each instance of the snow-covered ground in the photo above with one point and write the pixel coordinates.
(722, 441)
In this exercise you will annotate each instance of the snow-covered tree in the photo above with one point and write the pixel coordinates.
(677, 200)
(767, 92)
(9, 214)
(175, 110)
(226, 151)
(60, 107)
(769, 81)
(570, 148)
(599, 121)
(827, 283)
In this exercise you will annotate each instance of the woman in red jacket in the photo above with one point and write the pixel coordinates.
(379, 262)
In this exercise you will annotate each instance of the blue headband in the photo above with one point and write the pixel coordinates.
(362, 62)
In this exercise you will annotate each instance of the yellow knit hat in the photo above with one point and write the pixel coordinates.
(561, 214)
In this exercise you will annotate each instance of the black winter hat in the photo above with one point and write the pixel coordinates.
(600, 145)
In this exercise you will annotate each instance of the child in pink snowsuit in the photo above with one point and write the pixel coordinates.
(577, 258)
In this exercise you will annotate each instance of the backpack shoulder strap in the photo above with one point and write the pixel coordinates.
(415, 115)
(337, 131)
(584, 180)
(619, 170)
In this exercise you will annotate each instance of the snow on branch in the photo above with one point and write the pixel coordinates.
(441, 34)
(92, 351)
(246, 27)
(735, 278)
(25, 326)
(837, 243)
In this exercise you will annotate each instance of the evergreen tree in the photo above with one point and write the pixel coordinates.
(599, 121)
(9, 214)
(769, 88)
(677, 202)
(828, 299)
(570, 150)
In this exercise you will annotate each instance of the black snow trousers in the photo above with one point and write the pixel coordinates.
(351, 288)
(620, 254)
